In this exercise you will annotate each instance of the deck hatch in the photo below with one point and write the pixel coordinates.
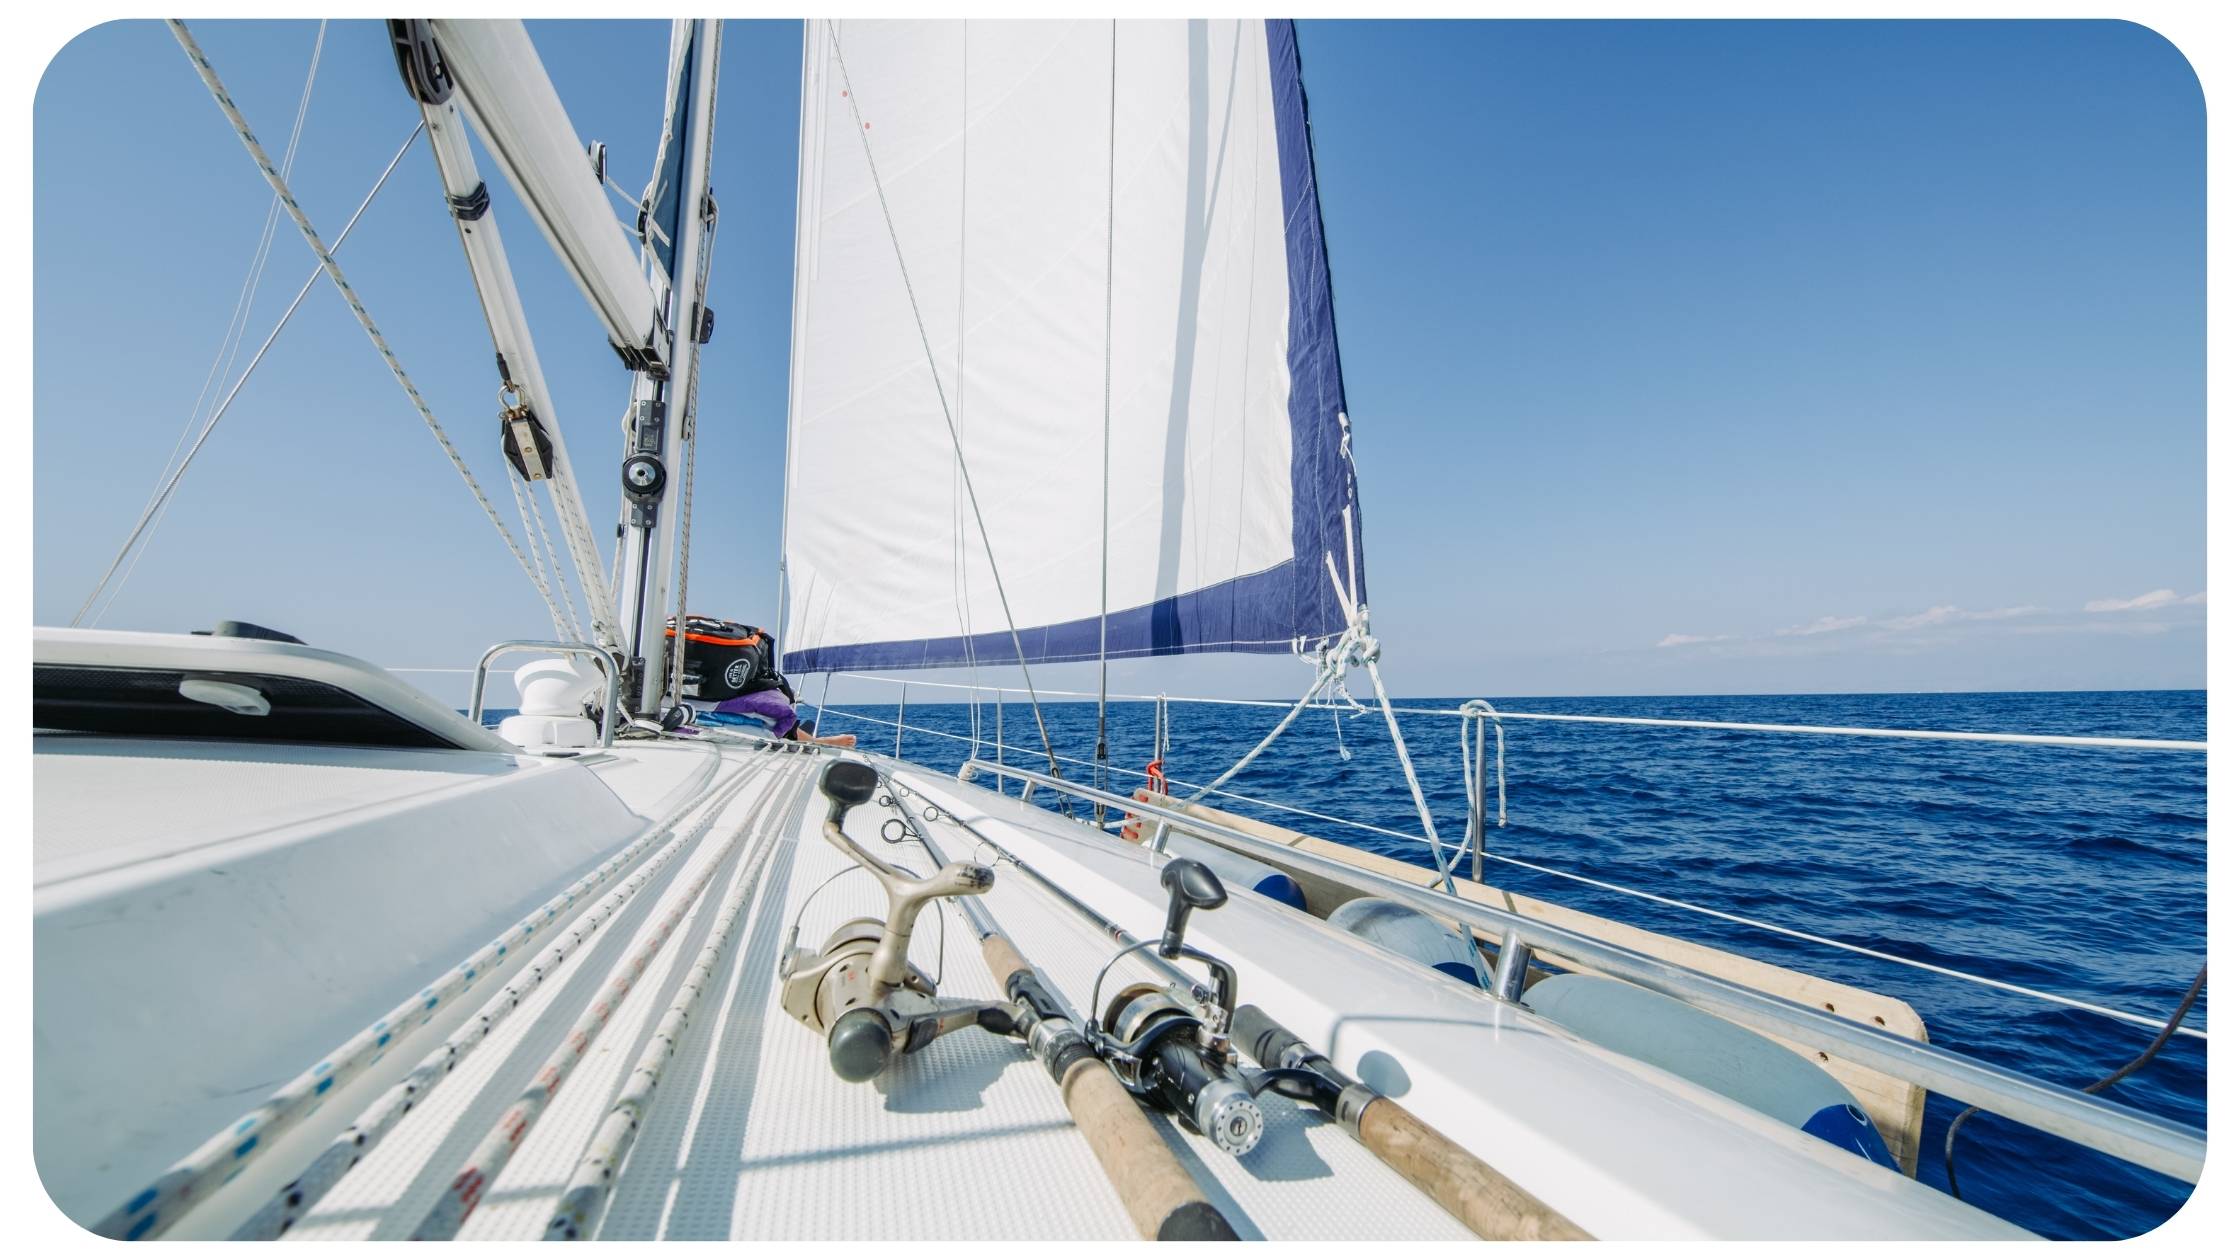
(147, 702)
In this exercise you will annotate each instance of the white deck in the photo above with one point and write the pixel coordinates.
(751, 1136)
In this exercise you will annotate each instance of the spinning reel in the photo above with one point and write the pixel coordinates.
(1169, 1044)
(861, 990)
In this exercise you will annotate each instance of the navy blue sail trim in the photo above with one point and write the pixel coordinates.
(1245, 614)
(1322, 484)
(1267, 611)
(667, 211)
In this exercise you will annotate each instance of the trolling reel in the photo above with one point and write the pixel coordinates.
(1169, 1044)
(860, 990)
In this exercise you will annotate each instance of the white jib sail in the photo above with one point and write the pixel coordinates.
(1095, 250)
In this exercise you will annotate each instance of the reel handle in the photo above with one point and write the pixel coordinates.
(1190, 885)
(848, 784)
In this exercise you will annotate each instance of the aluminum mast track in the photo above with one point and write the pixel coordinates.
(653, 464)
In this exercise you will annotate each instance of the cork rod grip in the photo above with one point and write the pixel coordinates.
(1493, 1206)
(1159, 1195)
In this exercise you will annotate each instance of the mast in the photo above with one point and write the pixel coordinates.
(430, 84)
(657, 403)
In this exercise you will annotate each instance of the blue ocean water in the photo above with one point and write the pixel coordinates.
(2080, 871)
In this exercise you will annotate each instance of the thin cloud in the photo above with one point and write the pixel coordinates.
(1944, 613)
(1683, 640)
(1823, 625)
(1927, 617)
(2152, 599)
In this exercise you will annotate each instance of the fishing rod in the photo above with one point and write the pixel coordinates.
(1492, 1205)
(871, 1004)
(1167, 1043)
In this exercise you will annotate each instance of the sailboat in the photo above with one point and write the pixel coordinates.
(318, 956)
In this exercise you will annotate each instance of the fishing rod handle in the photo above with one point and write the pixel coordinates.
(1494, 1207)
(1160, 1197)
(1472, 1191)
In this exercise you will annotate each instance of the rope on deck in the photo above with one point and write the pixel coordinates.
(466, 1188)
(224, 1154)
(352, 1145)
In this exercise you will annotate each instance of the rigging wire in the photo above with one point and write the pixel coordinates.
(249, 141)
(832, 32)
(2169, 1027)
(237, 324)
(158, 505)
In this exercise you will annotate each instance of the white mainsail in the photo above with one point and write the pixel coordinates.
(1093, 253)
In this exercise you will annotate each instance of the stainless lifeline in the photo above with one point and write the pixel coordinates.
(2166, 1146)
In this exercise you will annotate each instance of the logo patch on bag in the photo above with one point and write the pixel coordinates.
(735, 674)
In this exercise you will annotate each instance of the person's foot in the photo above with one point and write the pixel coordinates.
(836, 741)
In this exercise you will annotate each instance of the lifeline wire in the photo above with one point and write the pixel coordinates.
(279, 185)
(1984, 737)
(856, 110)
(2143, 1021)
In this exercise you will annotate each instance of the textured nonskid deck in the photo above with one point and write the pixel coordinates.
(751, 1135)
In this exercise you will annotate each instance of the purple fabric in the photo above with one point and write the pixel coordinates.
(770, 706)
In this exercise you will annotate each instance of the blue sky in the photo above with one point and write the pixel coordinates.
(1683, 357)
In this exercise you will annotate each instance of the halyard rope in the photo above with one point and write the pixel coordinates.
(602, 1159)
(352, 1145)
(563, 624)
(552, 558)
(279, 185)
(496, 1149)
